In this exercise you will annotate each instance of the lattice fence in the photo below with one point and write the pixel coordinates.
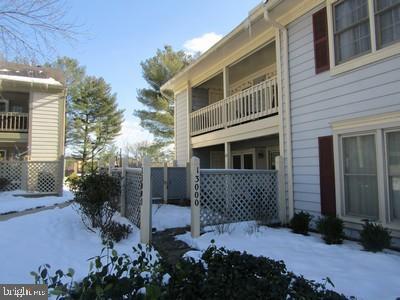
(157, 182)
(31, 176)
(228, 196)
(177, 184)
(11, 175)
(133, 194)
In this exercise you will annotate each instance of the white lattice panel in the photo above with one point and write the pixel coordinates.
(133, 194)
(31, 176)
(238, 195)
(43, 177)
(11, 171)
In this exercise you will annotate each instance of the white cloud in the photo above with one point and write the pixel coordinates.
(132, 133)
(202, 43)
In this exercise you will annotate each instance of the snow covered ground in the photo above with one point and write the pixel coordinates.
(59, 238)
(56, 237)
(353, 271)
(170, 216)
(11, 203)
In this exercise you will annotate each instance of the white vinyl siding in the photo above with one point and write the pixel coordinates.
(317, 100)
(45, 126)
(182, 143)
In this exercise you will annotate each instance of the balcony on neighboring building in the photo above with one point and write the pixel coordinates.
(14, 107)
(13, 122)
(243, 92)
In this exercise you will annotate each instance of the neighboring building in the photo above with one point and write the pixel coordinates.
(32, 113)
(317, 82)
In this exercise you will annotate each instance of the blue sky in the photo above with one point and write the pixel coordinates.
(120, 34)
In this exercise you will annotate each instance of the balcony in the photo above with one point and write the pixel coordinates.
(256, 102)
(14, 122)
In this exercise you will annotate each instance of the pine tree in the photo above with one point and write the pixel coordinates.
(95, 119)
(158, 115)
(74, 74)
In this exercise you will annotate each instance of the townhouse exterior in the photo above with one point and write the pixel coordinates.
(32, 113)
(316, 82)
(32, 129)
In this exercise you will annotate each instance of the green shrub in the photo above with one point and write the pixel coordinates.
(300, 222)
(72, 177)
(97, 198)
(331, 229)
(220, 274)
(115, 231)
(374, 237)
(110, 277)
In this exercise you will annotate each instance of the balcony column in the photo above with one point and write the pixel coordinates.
(189, 125)
(227, 150)
(225, 73)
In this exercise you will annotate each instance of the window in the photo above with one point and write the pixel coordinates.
(387, 21)
(3, 105)
(237, 162)
(360, 176)
(243, 159)
(248, 161)
(393, 172)
(351, 29)
(321, 47)
(361, 32)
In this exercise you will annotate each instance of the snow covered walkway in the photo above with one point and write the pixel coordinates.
(11, 203)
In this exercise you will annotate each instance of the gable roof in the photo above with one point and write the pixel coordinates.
(31, 74)
(253, 15)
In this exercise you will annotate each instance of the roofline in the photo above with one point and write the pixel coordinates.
(32, 80)
(253, 14)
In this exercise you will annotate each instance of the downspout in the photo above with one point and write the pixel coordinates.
(283, 37)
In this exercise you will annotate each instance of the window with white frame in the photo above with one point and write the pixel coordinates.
(360, 176)
(351, 29)
(387, 20)
(361, 170)
(359, 27)
(393, 172)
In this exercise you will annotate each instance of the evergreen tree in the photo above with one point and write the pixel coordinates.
(74, 74)
(95, 119)
(158, 115)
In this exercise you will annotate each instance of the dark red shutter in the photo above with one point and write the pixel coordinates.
(321, 48)
(327, 175)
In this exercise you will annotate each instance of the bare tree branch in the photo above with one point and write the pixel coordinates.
(32, 28)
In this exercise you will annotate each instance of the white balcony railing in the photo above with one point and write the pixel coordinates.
(258, 101)
(13, 122)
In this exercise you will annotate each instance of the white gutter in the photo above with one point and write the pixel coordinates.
(31, 80)
(284, 90)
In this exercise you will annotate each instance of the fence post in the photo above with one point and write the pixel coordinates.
(280, 166)
(195, 196)
(61, 173)
(25, 176)
(165, 183)
(146, 208)
(123, 186)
